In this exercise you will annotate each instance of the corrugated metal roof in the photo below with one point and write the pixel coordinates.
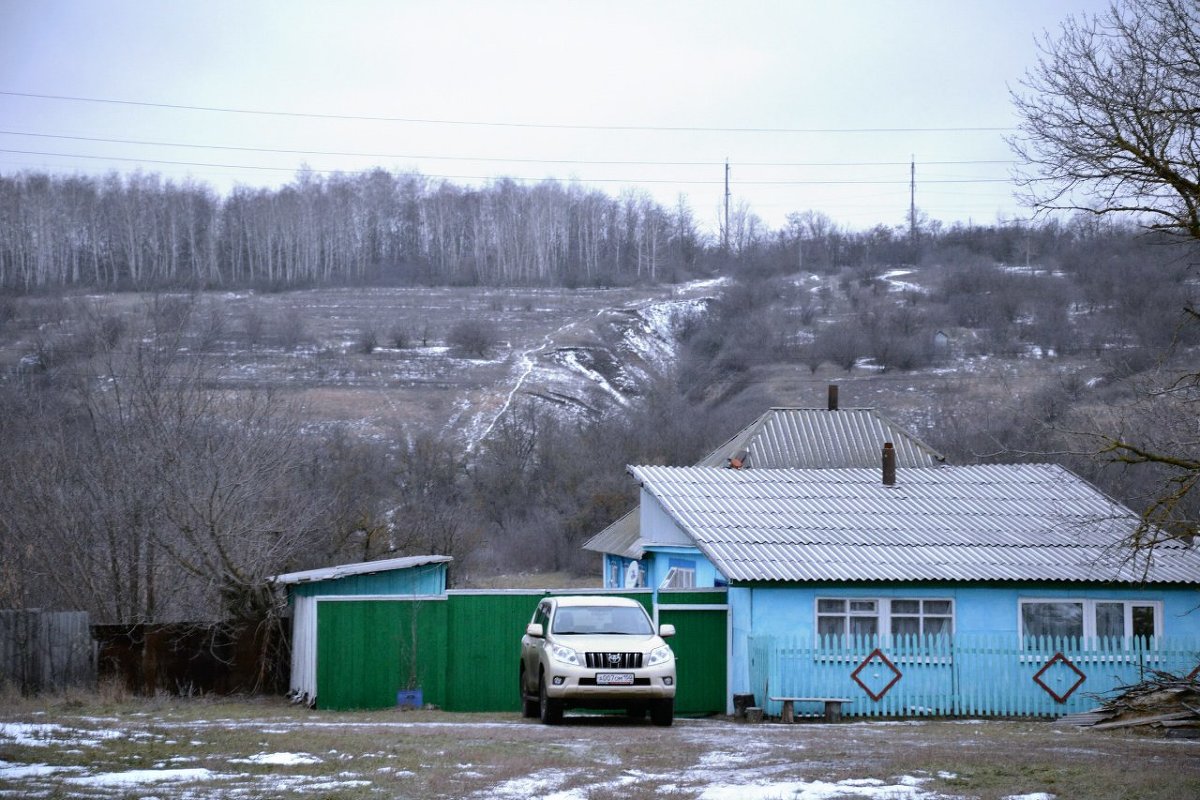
(816, 438)
(795, 438)
(978, 523)
(361, 568)
(622, 538)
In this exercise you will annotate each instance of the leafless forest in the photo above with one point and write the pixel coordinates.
(183, 376)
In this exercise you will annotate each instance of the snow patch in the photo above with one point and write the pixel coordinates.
(278, 758)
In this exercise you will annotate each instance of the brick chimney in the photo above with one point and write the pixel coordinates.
(889, 464)
(833, 400)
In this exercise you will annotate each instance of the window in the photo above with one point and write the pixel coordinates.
(922, 618)
(1087, 619)
(884, 616)
(679, 578)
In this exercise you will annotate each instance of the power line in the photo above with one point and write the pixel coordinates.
(494, 177)
(284, 151)
(496, 124)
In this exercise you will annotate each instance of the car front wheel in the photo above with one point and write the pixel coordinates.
(663, 712)
(550, 710)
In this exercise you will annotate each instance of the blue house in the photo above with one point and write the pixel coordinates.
(1004, 589)
(781, 438)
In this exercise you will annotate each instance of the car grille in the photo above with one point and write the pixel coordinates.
(614, 660)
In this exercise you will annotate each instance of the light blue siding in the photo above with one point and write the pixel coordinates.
(429, 579)
(791, 610)
(659, 560)
(775, 648)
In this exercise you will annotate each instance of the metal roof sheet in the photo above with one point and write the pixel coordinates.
(796, 438)
(976, 523)
(360, 568)
(622, 538)
(817, 438)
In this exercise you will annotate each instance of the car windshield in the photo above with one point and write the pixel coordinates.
(602, 620)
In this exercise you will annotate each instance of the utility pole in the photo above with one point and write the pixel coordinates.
(725, 238)
(912, 207)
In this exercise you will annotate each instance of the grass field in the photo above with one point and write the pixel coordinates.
(172, 748)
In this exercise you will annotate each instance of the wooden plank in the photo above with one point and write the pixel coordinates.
(1130, 723)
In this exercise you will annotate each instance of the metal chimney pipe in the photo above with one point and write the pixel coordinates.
(833, 400)
(889, 464)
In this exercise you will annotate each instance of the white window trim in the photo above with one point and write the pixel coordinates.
(883, 612)
(1089, 613)
(685, 575)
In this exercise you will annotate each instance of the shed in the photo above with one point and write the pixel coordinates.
(410, 576)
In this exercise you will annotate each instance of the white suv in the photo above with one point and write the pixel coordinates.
(596, 652)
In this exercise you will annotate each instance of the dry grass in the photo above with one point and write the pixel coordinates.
(431, 754)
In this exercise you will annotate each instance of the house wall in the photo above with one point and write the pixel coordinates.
(658, 562)
(657, 526)
(790, 610)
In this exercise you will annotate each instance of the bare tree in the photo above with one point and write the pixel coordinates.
(1110, 125)
(1109, 116)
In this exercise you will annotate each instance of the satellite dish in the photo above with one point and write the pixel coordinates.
(632, 573)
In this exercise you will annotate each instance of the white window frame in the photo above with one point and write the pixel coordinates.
(1089, 613)
(883, 612)
(679, 578)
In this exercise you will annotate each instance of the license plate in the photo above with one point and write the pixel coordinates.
(614, 678)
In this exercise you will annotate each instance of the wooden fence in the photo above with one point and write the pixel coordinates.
(46, 650)
(961, 675)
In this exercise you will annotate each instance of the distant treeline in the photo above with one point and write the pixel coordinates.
(140, 231)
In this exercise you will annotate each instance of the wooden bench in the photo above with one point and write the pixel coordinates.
(833, 707)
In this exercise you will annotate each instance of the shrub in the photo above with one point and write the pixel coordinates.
(472, 336)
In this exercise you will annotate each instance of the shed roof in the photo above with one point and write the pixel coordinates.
(360, 568)
(977, 523)
(795, 438)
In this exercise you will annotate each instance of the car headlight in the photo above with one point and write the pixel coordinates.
(659, 655)
(565, 654)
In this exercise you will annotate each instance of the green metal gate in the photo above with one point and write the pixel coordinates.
(468, 644)
(701, 645)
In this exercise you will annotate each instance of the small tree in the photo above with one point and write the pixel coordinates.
(472, 336)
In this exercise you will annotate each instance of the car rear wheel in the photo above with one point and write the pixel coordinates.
(550, 710)
(663, 712)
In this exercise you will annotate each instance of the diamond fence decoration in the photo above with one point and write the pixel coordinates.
(1059, 658)
(896, 675)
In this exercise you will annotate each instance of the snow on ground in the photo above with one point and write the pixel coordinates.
(32, 734)
(751, 769)
(277, 758)
(143, 776)
(895, 284)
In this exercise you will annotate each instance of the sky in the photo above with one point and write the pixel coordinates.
(815, 105)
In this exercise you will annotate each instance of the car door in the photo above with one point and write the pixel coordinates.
(531, 647)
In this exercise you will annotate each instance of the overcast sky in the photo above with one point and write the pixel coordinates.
(816, 105)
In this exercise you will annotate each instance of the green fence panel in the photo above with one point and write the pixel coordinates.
(463, 650)
(365, 656)
(484, 650)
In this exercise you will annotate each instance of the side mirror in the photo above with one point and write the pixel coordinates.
(666, 631)
(534, 629)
